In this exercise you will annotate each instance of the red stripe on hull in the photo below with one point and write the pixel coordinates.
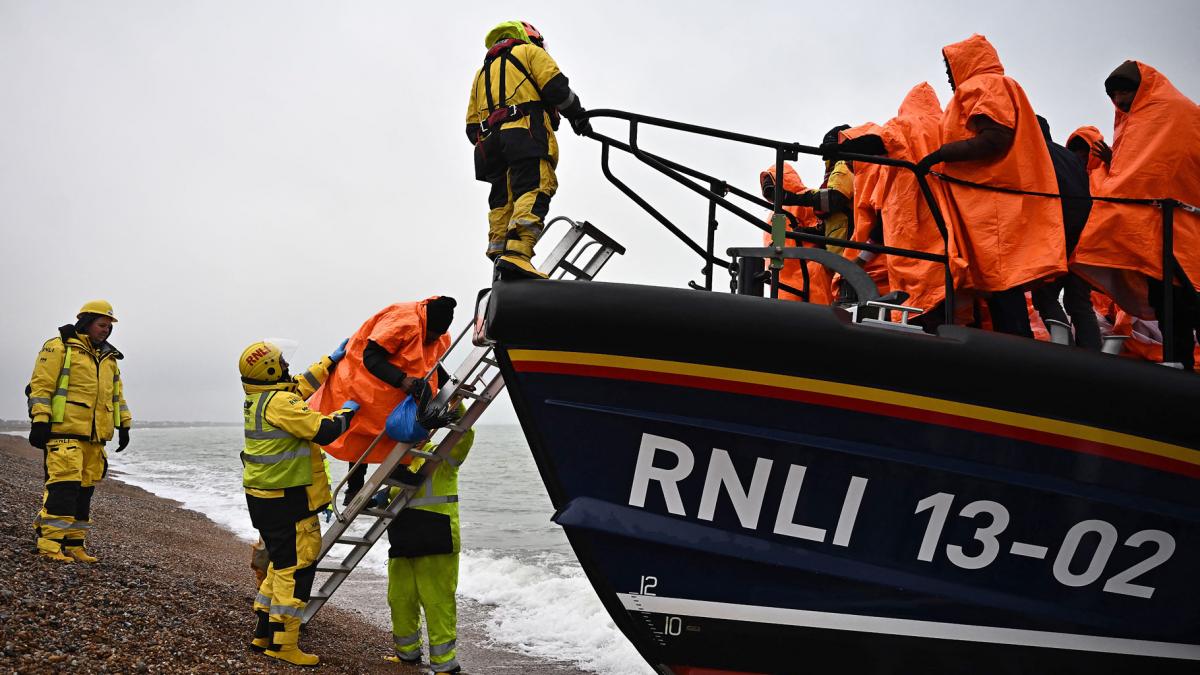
(858, 405)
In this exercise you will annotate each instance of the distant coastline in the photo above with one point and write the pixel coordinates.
(23, 425)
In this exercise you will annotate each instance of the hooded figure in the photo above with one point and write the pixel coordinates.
(400, 336)
(908, 223)
(792, 273)
(1081, 141)
(1155, 154)
(868, 203)
(1002, 242)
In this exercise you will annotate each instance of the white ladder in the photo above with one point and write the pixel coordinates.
(477, 379)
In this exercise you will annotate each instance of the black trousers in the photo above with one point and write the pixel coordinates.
(1077, 298)
(1009, 312)
(1186, 320)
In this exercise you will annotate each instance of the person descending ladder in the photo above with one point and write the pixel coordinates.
(579, 255)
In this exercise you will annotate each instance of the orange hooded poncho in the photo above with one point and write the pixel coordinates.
(818, 277)
(1089, 135)
(1156, 154)
(1002, 241)
(400, 329)
(914, 132)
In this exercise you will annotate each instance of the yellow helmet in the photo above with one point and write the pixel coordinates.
(101, 307)
(261, 363)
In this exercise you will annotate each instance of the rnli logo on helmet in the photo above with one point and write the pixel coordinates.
(257, 354)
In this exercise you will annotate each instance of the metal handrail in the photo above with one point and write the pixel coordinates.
(716, 191)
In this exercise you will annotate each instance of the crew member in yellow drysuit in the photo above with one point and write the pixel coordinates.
(286, 487)
(512, 115)
(423, 565)
(76, 402)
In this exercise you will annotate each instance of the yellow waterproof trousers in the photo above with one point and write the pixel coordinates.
(427, 582)
(284, 592)
(72, 469)
(519, 201)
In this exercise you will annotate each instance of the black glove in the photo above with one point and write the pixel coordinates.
(582, 126)
(122, 438)
(435, 417)
(929, 160)
(767, 182)
(831, 136)
(810, 198)
(39, 434)
(830, 150)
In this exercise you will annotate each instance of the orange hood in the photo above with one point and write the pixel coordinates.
(972, 57)
(1156, 154)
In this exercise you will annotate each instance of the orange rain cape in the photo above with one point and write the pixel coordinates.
(400, 329)
(818, 277)
(1090, 135)
(914, 132)
(1156, 154)
(867, 205)
(1002, 240)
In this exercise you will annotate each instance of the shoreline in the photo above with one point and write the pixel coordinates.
(172, 593)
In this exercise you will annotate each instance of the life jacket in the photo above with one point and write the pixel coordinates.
(273, 458)
(500, 112)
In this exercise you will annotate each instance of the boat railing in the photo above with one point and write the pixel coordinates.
(717, 193)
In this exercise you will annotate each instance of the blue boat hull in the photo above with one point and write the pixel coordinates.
(736, 514)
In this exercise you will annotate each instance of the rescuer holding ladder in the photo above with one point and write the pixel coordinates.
(512, 115)
(76, 404)
(286, 487)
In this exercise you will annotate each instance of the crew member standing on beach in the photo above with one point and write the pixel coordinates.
(423, 565)
(283, 472)
(76, 403)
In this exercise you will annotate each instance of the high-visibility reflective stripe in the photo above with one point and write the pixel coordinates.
(266, 435)
(124, 408)
(54, 522)
(285, 610)
(275, 459)
(263, 600)
(451, 461)
(406, 640)
(571, 98)
(442, 649)
(426, 501)
(58, 403)
(495, 246)
(444, 667)
(117, 399)
(38, 399)
(258, 410)
(311, 379)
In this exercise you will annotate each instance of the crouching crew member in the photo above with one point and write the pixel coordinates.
(286, 487)
(76, 403)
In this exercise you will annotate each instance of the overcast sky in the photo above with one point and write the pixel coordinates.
(227, 171)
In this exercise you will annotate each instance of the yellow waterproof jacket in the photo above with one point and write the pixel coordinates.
(94, 393)
(429, 526)
(500, 83)
(837, 223)
(289, 411)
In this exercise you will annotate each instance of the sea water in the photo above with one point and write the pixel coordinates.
(515, 562)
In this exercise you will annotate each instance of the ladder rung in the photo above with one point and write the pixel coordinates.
(399, 483)
(317, 595)
(486, 360)
(423, 453)
(336, 567)
(354, 540)
(570, 267)
(378, 513)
